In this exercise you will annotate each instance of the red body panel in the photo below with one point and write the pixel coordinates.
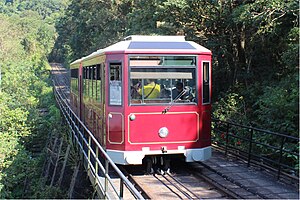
(183, 127)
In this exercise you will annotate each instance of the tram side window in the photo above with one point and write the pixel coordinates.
(94, 83)
(115, 84)
(206, 83)
(87, 83)
(91, 82)
(98, 83)
(74, 81)
(84, 83)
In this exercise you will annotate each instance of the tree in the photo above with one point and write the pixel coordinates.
(86, 27)
(25, 40)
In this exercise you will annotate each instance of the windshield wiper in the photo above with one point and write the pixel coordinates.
(173, 101)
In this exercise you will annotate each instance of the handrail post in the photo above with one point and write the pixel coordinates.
(280, 156)
(73, 128)
(250, 147)
(121, 188)
(106, 179)
(89, 153)
(227, 138)
(96, 162)
(79, 129)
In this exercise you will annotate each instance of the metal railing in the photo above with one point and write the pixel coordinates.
(265, 148)
(107, 177)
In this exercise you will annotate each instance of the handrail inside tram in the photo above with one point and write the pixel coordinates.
(184, 91)
(161, 75)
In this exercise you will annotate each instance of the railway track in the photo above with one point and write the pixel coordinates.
(244, 182)
(203, 181)
(181, 184)
(61, 80)
(225, 183)
(180, 189)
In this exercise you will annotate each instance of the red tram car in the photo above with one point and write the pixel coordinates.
(146, 97)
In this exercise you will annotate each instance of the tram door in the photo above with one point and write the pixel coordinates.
(115, 117)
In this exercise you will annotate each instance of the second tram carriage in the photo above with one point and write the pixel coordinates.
(146, 97)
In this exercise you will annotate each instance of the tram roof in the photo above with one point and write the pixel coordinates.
(142, 43)
(76, 61)
(149, 44)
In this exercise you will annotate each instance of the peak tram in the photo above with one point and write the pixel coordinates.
(146, 99)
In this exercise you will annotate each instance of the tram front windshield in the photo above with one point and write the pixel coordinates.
(162, 79)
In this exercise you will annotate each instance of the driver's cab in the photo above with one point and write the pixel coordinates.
(162, 79)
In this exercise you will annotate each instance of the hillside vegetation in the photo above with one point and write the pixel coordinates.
(27, 109)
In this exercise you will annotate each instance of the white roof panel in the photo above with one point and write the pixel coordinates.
(152, 44)
(161, 44)
(76, 61)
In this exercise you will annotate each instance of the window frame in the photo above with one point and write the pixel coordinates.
(99, 82)
(111, 63)
(208, 72)
(74, 79)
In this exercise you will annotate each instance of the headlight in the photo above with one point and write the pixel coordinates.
(132, 117)
(163, 132)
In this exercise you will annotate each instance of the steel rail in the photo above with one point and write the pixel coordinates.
(131, 178)
(228, 191)
(66, 86)
(167, 186)
(181, 187)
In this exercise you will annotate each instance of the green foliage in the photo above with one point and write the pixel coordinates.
(48, 10)
(290, 57)
(232, 107)
(94, 24)
(20, 169)
(44, 192)
(143, 18)
(278, 107)
(267, 15)
(25, 41)
(13, 120)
